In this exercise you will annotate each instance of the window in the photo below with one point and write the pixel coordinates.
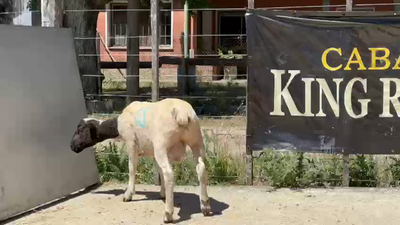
(119, 26)
(232, 27)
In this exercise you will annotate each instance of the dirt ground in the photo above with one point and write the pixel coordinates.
(230, 205)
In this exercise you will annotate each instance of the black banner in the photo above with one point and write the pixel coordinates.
(323, 82)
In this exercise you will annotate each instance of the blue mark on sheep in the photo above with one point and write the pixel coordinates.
(140, 117)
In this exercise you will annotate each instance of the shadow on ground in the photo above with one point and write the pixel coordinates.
(52, 203)
(188, 203)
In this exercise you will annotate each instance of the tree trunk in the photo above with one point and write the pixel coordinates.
(83, 24)
(52, 13)
(132, 82)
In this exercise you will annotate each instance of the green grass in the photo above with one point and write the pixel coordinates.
(222, 168)
(278, 169)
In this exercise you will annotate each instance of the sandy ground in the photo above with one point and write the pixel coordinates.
(231, 205)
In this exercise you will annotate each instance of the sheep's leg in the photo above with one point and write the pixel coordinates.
(133, 161)
(161, 156)
(162, 191)
(198, 153)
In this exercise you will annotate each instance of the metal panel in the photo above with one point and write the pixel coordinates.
(41, 102)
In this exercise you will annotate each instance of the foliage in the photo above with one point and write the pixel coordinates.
(296, 169)
(221, 166)
(33, 5)
(323, 170)
(230, 55)
(235, 52)
(395, 170)
(112, 163)
(275, 168)
(238, 49)
(362, 171)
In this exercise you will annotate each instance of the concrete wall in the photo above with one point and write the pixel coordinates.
(41, 102)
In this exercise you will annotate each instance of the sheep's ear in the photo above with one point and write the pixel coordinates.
(93, 131)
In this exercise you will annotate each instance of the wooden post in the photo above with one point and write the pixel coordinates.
(183, 69)
(132, 82)
(346, 157)
(155, 43)
(249, 152)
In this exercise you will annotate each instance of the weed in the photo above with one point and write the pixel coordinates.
(362, 171)
(275, 168)
(112, 162)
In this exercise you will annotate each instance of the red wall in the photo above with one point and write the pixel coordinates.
(119, 54)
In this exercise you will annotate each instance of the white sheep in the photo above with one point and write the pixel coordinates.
(161, 130)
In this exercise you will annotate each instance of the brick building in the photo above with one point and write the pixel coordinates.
(203, 23)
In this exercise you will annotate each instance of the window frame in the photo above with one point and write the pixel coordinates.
(109, 30)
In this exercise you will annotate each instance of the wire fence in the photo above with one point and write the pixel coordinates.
(205, 42)
(220, 96)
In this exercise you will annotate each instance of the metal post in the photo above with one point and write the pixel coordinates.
(183, 69)
(346, 157)
(155, 43)
(249, 152)
(186, 38)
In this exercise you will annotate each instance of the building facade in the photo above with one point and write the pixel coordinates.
(215, 29)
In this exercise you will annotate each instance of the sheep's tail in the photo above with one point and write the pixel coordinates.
(184, 115)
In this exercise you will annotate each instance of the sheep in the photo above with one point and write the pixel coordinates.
(160, 130)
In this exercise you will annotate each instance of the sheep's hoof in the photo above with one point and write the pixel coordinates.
(124, 199)
(127, 197)
(168, 217)
(162, 195)
(205, 207)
